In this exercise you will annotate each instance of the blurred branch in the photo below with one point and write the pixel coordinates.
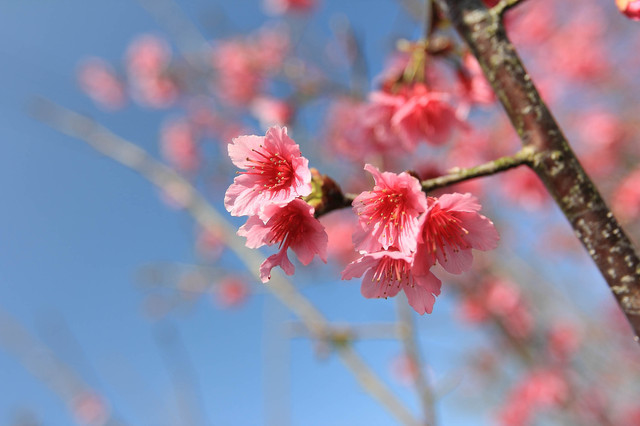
(554, 161)
(132, 156)
(43, 364)
(407, 332)
(503, 5)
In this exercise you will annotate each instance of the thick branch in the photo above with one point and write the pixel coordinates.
(554, 161)
(132, 156)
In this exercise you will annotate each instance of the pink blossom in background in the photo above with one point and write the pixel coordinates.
(339, 226)
(626, 198)
(292, 225)
(531, 23)
(271, 111)
(242, 66)
(388, 215)
(563, 340)
(524, 187)
(99, 81)
(473, 87)
(237, 82)
(405, 370)
(600, 136)
(89, 408)
(147, 61)
(388, 272)
(448, 231)
(231, 292)
(500, 299)
(179, 146)
(279, 7)
(275, 172)
(210, 244)
(538, 390)
(630, 8)
(424, 115)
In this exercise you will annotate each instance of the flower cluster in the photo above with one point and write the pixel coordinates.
(402, 233)
(269, 191)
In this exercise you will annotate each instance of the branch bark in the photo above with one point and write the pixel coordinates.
(554, 161)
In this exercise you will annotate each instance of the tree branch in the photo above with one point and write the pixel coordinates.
(554, 161)
(524, 156)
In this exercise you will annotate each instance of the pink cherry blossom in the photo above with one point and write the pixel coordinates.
(626, 198)
(98, 80)
(388, 272)
(275, 172)
(292, 225)
(388, 215)
(473, 86)
(425, 115)
(179, 147)
(148, 58)
(449, 230)
(271, 111)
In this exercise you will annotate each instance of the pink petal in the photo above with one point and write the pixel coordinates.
(459, 202)
(482, 233)
(278, 259)
(422, 295)
(240, 150)
(454, 261)
(255, 231)
(372, 288)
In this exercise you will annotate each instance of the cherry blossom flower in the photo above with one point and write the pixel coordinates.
(271, 111)
(449, 230)
(473, 86)
(425, 115)
(388, 215)
(148, 58)
(179, 147)
(231, 292)
(626, 198)
(98, 80)
(292, 225)
(275, 172)
(388, 272)
(631, 8)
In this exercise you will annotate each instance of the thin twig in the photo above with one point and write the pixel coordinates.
(524, 156)
(132, 156)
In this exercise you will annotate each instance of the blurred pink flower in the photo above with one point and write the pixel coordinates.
(626, 198)
(539, 389)
(424, 115)
(99, 81)
(388, 215)
(271, 111)
(231, 291)
(448, 231)
(179, 147)
(147, 62)
(292, 225)
(388, 272)
(279, 7)
(473, 87)
(524, 187)
(275, 172)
